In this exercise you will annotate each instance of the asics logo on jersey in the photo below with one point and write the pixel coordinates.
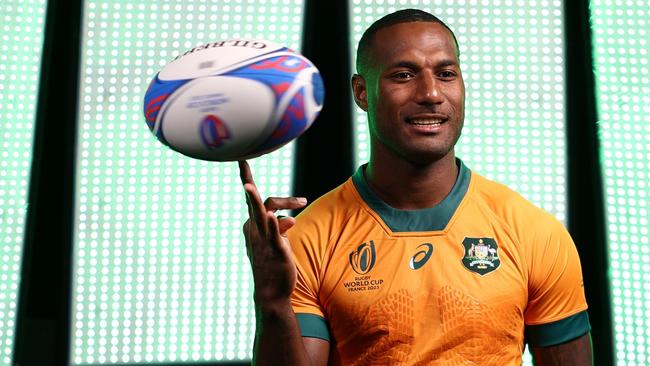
(421, 257)
(363, 259)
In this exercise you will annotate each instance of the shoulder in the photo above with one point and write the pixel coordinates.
(321, 219)
(329, 206)
(499, 197)
(512, 209)
(315, 234)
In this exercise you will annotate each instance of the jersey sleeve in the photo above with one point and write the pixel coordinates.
(307, 246)
(556, 311)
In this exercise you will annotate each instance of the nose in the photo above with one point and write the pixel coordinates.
(428, 89)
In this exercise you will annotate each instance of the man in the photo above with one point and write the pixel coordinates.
(415, 260)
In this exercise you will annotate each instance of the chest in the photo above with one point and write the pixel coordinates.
(381, 286)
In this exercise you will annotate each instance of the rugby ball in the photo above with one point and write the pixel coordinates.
(234, 99)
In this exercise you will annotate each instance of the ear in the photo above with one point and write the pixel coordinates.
(359, 91)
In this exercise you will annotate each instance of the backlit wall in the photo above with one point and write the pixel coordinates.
(512, 60)
(160, 270)
(21, 44)
(161, 273)
(621, 41)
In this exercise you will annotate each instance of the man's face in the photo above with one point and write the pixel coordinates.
(413, 91)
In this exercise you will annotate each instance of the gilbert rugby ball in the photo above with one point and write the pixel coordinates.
(234, 99)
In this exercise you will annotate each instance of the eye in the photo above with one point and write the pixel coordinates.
(447, 75)
(403, 75)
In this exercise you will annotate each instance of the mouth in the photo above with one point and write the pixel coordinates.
(431, 120)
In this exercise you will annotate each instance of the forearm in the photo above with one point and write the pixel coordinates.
(277, 339)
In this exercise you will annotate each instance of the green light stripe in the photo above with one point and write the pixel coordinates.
(21, 44)
(621, 55)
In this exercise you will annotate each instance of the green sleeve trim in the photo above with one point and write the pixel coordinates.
(313, 326)
(561, 331)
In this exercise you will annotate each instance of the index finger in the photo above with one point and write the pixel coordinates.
(245, 172)
(256, 209)
(253, 198)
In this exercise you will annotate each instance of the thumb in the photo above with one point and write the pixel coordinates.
(285, 223)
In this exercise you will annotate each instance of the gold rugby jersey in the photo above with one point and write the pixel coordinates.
(467, 281)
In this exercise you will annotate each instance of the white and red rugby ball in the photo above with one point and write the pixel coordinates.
(234, 99)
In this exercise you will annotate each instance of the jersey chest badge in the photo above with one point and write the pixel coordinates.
(481, 255)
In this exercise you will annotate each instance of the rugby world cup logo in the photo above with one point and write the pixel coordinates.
(213, 132)
(363, 258)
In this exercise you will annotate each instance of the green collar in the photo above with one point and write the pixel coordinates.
(427, 219)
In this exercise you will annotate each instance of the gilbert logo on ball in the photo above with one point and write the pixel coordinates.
(234, 99)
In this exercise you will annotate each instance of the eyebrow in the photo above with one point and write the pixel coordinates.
(447, 62)
(412, 65)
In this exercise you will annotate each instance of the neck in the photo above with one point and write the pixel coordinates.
(408, 186)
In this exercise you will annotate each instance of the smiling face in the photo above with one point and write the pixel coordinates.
(413, 92)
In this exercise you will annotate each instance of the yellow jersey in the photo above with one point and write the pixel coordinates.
(467, 281)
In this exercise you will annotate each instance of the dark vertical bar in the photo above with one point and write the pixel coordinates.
(324, 152)
(43, 316)
(586, 205)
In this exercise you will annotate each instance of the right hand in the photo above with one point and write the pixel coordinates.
(267, 246)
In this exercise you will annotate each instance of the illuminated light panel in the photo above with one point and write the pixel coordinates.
(161, 273)
(512, 60)
(621, 47)
(21, 42)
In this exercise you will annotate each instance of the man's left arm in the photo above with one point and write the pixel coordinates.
(577, 352)
(557, 324)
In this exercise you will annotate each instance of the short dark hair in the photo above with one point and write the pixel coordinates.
(400, 16)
